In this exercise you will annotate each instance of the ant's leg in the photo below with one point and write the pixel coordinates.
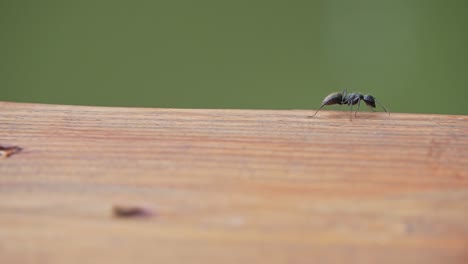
(344, 93)
(351, 116)
(317, 111)
(371, 108)
(358, 104)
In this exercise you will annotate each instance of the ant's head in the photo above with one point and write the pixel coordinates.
(369, 100)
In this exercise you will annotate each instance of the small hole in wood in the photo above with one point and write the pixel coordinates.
(126, 211)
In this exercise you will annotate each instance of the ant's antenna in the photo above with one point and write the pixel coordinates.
(382, 106)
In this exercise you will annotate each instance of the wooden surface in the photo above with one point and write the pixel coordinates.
(231, 186)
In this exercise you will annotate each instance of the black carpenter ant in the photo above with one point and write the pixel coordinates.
(345, 98)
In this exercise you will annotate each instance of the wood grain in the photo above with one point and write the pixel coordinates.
(232, 186)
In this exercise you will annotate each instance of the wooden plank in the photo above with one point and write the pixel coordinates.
(231, 186)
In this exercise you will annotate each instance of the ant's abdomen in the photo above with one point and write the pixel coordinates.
(334, 98)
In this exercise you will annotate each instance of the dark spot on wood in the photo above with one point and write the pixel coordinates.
(123, 211)
(6, 152)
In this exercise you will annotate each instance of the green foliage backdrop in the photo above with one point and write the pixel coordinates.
(410, 54)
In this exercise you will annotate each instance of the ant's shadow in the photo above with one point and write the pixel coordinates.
(348, 116)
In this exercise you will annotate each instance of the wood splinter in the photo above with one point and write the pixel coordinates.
(6, 152)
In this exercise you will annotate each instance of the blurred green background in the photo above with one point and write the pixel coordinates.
(410, 54)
